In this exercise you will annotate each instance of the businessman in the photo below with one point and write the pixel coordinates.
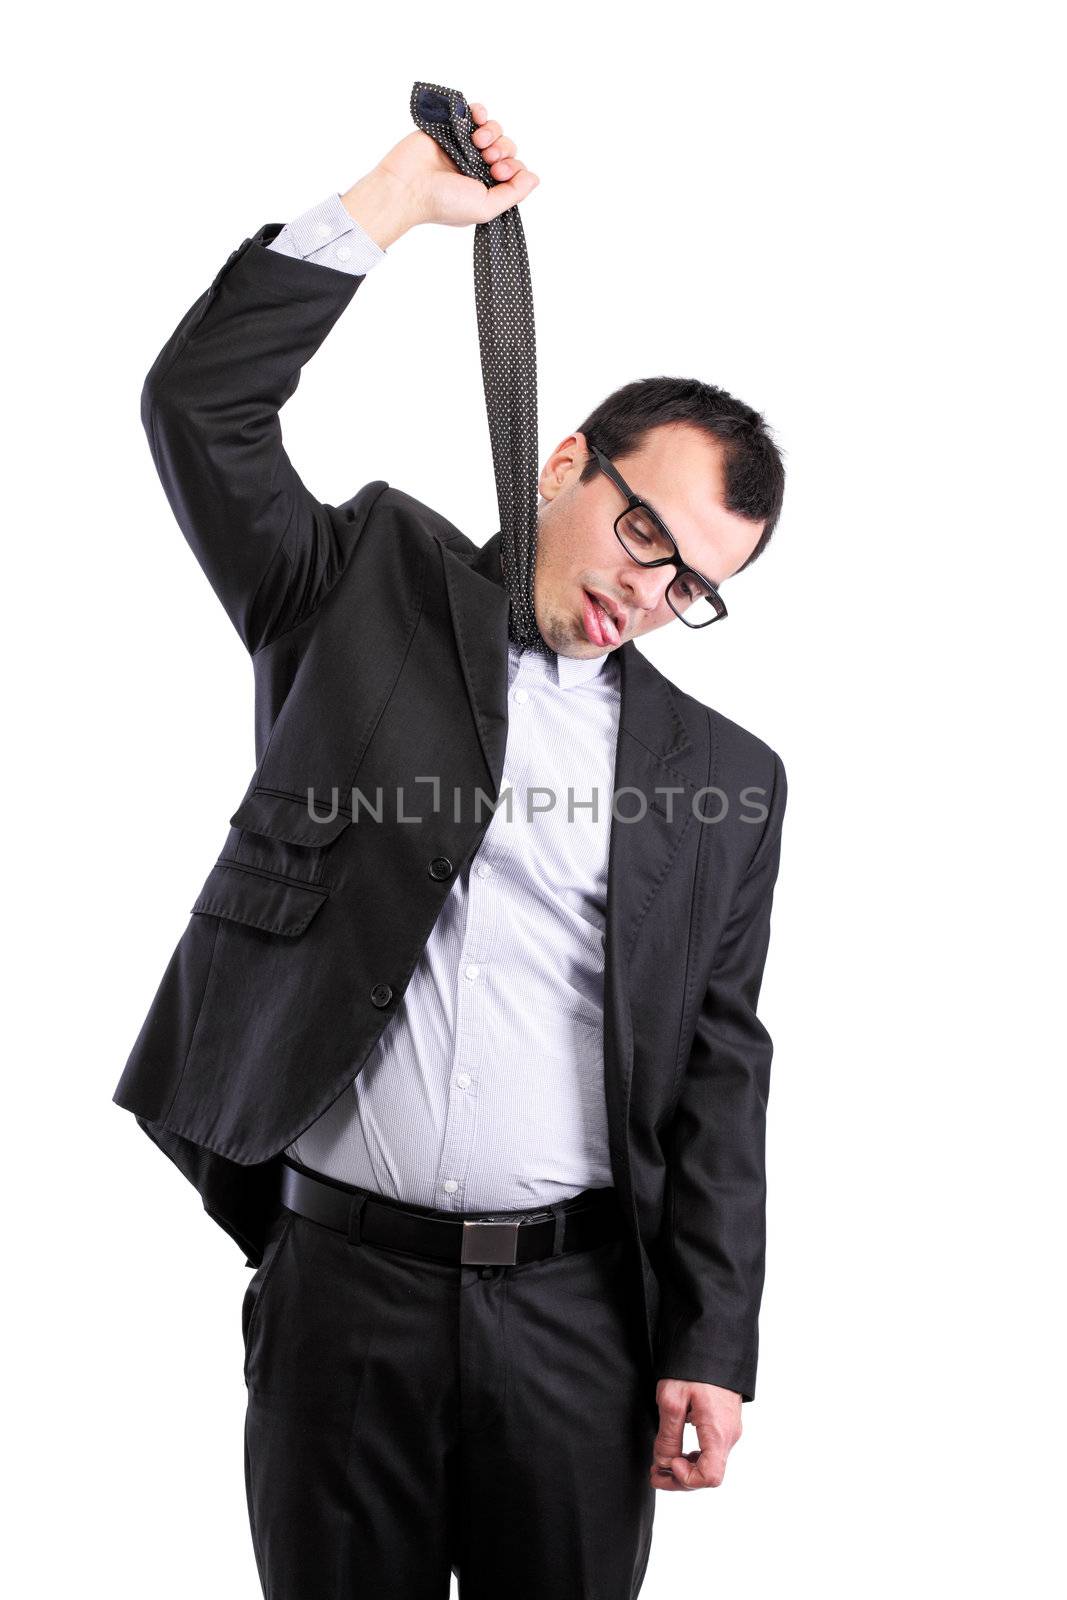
(460, 1043)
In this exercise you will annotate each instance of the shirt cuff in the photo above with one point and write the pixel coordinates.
(328, 235)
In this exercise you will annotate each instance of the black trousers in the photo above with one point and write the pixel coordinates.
(409, 1418)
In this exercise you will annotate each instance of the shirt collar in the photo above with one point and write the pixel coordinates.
(565, 671)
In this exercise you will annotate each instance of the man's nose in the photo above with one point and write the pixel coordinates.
(647, 586)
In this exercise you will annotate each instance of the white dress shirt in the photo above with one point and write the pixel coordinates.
(485, 1090)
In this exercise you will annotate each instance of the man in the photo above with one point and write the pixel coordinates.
(480, 1089)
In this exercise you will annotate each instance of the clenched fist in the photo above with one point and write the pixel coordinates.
(417, 182)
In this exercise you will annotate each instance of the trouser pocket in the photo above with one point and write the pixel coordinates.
(252, 1305)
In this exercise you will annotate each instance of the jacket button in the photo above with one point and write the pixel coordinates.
(440, 867)
(381, 994)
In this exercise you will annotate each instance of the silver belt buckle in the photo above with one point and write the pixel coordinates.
(490, 1244)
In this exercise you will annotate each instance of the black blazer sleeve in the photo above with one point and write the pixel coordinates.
(210, 408)
(716, 1235)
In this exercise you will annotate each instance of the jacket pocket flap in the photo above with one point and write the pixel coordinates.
(288, 818)
(258, 899)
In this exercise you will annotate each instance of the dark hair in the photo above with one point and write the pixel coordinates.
(754, 473)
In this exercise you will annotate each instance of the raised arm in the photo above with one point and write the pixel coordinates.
(210, 407)
(211, 400)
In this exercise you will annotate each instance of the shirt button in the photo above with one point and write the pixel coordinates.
(324, 230)
(471, 971)
(464, 1080)
(484, 869)
(522, 695)
(450, 1186)
(344, 253)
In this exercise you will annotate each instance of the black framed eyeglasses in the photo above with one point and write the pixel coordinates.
(645, 537)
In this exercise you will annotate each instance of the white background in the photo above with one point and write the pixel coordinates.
(845, 215)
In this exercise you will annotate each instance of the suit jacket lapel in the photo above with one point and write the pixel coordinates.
(656, 752)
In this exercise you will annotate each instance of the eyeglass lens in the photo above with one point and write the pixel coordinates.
(646, 541)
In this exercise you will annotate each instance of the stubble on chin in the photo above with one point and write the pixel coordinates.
(561, 633)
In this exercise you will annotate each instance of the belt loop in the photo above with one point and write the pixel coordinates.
(560, 1228)
(355, 1218)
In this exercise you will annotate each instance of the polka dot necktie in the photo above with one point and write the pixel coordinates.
(504, 301)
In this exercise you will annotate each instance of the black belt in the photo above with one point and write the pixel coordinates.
(469, 1239)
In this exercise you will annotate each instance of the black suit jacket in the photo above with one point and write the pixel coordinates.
(378, 636)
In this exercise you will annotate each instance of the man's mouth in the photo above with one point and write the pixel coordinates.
(600, 624)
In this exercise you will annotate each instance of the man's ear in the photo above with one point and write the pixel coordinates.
(564, 458)
(548, 483)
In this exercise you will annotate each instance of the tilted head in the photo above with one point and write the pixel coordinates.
(704, 462)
